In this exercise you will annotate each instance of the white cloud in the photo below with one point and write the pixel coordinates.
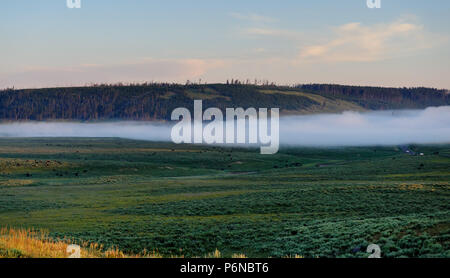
(355, 42)
(269, 32)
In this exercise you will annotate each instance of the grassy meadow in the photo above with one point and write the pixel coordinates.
(189, 200)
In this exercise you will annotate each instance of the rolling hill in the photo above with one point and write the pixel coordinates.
(156, 101)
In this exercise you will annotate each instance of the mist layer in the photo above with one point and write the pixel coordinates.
(428, 126)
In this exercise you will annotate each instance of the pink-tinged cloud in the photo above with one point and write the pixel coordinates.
(355, 42)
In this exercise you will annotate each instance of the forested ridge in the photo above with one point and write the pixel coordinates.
(156, 101)
(383, 98)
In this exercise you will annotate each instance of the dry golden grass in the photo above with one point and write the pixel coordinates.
(28, 243)
(17, 182)
(216, 254)
(238, 256)
(12, 165)
(296, 256)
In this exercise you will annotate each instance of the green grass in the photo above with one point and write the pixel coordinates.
(191, 200)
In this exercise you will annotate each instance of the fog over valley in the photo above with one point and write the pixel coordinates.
(427, 126)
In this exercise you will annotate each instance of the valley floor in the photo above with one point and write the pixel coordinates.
(186, 200)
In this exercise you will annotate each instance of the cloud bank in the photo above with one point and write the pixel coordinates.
(355, 42)
(428, 126)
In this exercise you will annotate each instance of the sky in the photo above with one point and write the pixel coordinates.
(403, 43)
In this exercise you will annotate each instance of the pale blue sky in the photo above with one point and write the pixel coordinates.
(405, 43)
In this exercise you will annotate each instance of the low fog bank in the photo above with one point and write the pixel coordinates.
(123, 129)
(431, 125)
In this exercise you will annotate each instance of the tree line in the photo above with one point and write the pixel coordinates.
(156, 101)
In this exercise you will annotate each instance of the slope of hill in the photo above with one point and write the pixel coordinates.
(157, 101)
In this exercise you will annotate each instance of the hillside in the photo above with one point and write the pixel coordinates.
(156, 101)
